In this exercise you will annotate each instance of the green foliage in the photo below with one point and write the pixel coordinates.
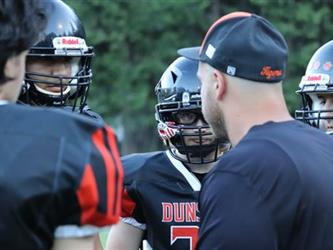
(135, 40)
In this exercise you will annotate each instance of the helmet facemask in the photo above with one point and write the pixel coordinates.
(181, 124)
(41, 88)
(313, 111)
(316, 90)
(192, 144)
(190, 139)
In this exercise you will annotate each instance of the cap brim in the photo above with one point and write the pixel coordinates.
(190, 53)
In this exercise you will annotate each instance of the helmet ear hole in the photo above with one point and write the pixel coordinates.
(174, 76)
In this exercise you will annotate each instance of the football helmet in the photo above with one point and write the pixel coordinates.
(318, 80)
(63, 39)
(181, 124)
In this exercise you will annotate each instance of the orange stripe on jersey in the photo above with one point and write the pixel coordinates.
(127, 205)
(88, 192)
(114, 149)
(114, 175)
(87, 195)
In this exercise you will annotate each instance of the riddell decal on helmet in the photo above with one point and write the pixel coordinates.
(61, 44)
(269, 73)
(165, 131)
(314, 82)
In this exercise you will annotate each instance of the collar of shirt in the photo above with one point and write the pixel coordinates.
(3, 102)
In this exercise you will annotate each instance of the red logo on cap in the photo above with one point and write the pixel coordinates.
(269, 73)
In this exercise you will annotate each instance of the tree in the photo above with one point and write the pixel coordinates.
(136, 40)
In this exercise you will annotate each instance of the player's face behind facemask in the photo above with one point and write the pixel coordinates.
(316, 90)
(322, 111)
(194, 141)
(51, 81)
(50, 75)
(180, 121)
(56, 81)
(59, 64)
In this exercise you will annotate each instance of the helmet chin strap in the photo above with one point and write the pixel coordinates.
(66, 91)
(195, 157)
(329, 133)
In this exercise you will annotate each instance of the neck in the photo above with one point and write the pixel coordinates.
(254, 108)
(240, 126)
(3, 102)
(197, 168)
(9, 91)
(200, 168)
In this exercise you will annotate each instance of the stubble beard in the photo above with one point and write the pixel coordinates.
(215, 118)
(218, 126)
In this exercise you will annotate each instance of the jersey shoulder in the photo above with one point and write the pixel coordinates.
(140, 165)
(48, 121)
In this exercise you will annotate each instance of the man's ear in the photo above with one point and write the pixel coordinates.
(221, 84)
(11, 67)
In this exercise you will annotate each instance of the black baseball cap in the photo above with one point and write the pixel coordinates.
(244, 45)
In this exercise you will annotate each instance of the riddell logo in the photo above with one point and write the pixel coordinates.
(269, 73)
(70, 41)
(314, 78)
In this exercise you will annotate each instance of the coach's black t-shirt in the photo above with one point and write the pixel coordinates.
(274, 190)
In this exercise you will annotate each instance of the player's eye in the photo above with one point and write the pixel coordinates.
(185, 118)
(322, 100)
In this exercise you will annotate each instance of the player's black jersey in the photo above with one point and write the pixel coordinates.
(161, 196)
(85, 111)
(56, 168)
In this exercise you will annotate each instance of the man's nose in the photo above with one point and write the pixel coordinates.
(201, 123)
(61, 69)
(329, 103)
(329, 106)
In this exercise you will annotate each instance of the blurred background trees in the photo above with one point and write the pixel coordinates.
(135, 40)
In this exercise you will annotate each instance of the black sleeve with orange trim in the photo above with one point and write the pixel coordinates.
(135, 173)
(99, 192)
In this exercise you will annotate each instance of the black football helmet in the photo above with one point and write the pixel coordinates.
(63, 38)
(178, 113)
(318, 79)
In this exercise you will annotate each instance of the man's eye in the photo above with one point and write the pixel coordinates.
(186, 117)
(322, 101)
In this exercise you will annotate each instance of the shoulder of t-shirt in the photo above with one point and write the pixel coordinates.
(137, 165)
(260, 162)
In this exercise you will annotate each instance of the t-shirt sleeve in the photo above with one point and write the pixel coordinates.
(233, 216)
(100, 187)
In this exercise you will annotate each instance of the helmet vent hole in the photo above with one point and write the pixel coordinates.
(174, 77)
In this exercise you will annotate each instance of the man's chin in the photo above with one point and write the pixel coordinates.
(218, 131)
(329, 131)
